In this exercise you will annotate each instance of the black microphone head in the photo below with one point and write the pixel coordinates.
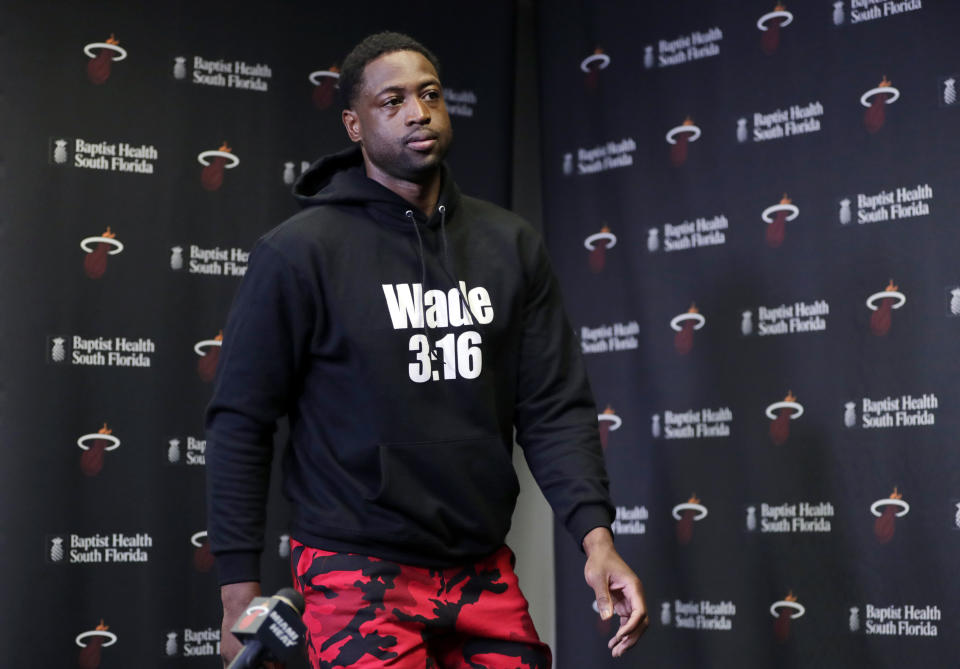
(293, 598)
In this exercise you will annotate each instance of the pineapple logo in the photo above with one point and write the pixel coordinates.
(171, 645)
(176, 258)
(173, 451)
(665, 613)
(955, 301)
(57, 351)
(845, 215)
(60, 151)
(56, 549)
(179, 68)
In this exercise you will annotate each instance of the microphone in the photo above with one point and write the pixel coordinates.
(271, 629)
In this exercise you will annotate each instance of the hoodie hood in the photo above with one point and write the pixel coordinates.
(340, 179)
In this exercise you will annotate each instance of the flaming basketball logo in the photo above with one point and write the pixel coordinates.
(94, 446)
(91, 642)
(597, 244)
(776, 217)
(592, 65)
(608, 422)
(684, 325)
(686, 515)
(770, 24)
(679, 138)
(102, 55)
(202, 557)
(780, 415)
(882, 305)
(324, 86)
(209, 352)
(784, 611)
(876, 100)
(211, 178)
(97, 250)
(887, 510)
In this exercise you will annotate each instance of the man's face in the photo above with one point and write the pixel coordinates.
(399, 116)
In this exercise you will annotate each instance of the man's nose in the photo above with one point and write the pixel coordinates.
(418, 112)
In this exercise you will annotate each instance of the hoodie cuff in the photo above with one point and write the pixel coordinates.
(237, 567)
(586, 518)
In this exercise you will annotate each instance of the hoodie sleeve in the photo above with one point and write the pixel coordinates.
(266, 339)
(556, 417)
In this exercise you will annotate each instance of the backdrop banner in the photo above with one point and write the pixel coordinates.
(146, 147)
(751, 210)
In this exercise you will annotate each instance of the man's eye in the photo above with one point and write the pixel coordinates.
(392, 102)
(432, 95)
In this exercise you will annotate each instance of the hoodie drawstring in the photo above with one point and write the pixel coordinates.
(444, 265)
(423, 283)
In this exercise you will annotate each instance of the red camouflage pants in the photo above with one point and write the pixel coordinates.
(366, 612)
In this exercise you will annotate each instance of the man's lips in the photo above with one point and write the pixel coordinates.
(421, 142)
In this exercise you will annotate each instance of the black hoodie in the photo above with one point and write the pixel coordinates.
(401, 424)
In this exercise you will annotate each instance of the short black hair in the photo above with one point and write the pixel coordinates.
(371, 48)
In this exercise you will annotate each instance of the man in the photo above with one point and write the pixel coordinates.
(406, 330)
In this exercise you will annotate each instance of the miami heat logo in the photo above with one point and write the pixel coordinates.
(209, 352)
(102, 55)
(680, 138)
(784, 611)
(97, 249)
(876, 100)
(597, 244)
(686, 515)
(887, 510)
(684, 325)
(202, 557)
(91, 642)
(882, 305)
(592, 65)
(770, 24)
(608, 422)
(324, 86)
(776, 218)
(214, 163)
(780, 415)
(251, 614)
(94, 446)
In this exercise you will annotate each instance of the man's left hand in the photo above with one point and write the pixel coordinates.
(617, 588)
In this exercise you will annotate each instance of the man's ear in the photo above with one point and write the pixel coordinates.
(352, 123)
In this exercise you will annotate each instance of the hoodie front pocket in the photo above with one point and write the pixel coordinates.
(455, 490)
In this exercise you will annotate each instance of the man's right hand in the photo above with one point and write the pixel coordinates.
(235, 598)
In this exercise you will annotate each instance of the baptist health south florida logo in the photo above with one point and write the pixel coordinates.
(800, 317)
(206, 261)
(782, 122)
(692, 233)
(601, 158)
(104, 155)
(790, 518)
(893, 412)
(853, 12)
(686, 48)
(698, 615)
(893, 204)
(221, 73)
(188, 642)
(100, 351)
(915, 620)
(189, 451)
(610, 337)
(100, 548)
(703, 423)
